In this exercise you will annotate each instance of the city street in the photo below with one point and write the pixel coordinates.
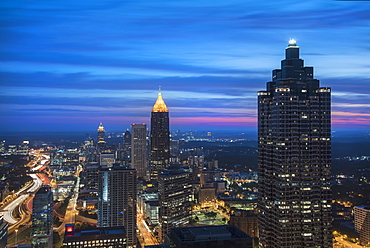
(146, 237)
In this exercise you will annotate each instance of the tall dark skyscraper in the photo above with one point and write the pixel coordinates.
(294, 158)
(117, 200)
(159, 138)
(175, 197)
(139, 149)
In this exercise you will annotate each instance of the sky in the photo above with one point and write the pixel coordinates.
(69, 65)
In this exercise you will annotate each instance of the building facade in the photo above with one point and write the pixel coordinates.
(117, 200)
(127, 146)
(175, 197)
(208, 237)
(138, 149)
(362, 223)
(294, 158)
(42, 218)
(159, 138)
(102, 237)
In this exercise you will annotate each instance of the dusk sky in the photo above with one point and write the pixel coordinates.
(69, 65)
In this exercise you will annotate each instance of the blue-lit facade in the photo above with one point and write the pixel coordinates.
(42, 218)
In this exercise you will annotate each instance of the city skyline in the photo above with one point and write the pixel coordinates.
(70, 66)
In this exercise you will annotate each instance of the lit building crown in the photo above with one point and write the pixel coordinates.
(101, 128)
(159, 105)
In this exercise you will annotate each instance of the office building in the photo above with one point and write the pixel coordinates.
(159, 138)
(102, 237)
(362, 223)
(127, 146)
(208, 237)
(107, 159)
(294, 158)
(138, 149)
(117, 200)
(42, 218)
(175, 196)
(246, 220)
(101, 138)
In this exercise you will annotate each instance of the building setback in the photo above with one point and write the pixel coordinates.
(294, 158)
(117, 200)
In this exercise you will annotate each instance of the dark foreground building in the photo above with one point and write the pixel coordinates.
(117, 200)
(294, 158)
(42, 218)
(225, 236)
(102, 237)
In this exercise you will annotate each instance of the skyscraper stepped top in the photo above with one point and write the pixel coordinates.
(160, 105)
(294, 158)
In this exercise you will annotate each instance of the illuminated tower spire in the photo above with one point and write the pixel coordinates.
(160, 105)
(159, 138)
(101, 136)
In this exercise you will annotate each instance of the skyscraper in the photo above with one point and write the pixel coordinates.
(362, 223)
(127, 146)
(138, 149)
(175, 197)
(42, 218)
(101, 137)
(294, 158)
(159, 138)
(117, 200)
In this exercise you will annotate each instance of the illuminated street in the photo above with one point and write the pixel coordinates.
(145, 234)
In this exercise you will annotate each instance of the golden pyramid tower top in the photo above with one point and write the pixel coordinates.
(159, 105)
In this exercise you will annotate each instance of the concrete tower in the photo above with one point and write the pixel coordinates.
(294, 158)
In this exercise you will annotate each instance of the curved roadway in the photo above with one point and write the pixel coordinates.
(22, 196)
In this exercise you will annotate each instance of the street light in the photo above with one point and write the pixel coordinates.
(16, 235)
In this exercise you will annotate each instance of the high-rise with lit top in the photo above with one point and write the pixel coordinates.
(159, 138)
(294, 158)
(101, 137)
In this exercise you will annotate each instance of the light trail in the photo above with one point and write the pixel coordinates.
(9, 209)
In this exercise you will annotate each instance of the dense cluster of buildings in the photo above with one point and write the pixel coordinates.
(148, 174)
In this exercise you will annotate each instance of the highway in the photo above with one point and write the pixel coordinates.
(23, 194)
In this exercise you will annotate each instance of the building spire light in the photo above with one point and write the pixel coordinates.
(160, 105)
(292, 42)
